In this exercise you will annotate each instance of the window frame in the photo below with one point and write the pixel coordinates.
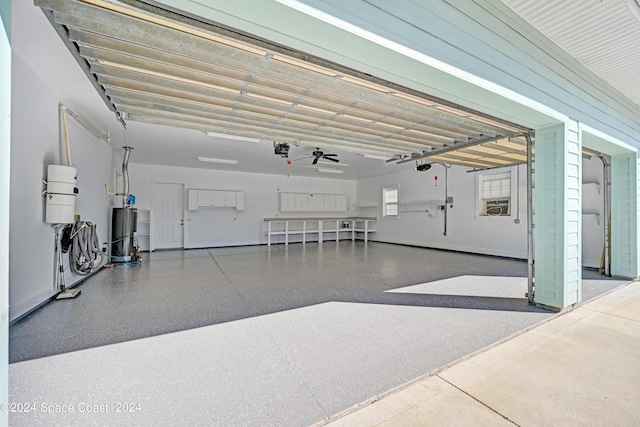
(482, 196)
(387, 204)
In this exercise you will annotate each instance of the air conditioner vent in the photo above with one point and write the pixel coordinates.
(496, 207)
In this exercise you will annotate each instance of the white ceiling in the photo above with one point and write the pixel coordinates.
(177, 146)
(604, 35)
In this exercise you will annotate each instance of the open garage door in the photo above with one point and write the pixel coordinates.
(156, 66)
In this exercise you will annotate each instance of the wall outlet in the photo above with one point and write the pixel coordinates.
(517, 220)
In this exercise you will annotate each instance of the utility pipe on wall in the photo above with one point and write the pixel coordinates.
(125, 176)
(64, 110)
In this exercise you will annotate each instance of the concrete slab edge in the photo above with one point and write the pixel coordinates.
(436, 371)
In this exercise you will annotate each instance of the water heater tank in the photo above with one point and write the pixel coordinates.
(61, 194)
(123, 226)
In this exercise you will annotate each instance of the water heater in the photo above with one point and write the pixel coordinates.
(123, 226)
(61, 194)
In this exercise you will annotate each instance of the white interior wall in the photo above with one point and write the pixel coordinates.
(212, 226)
(466, 231)
(35, 145)
(31, 271)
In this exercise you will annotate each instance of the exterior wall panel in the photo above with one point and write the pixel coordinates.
(558, 216)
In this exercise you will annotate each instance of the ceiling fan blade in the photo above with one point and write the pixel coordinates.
(329, 155)
(315, 160)
(331, 158)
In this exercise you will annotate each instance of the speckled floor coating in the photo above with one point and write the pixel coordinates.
(263, 336)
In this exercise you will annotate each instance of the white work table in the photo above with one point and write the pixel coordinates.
(319, 226)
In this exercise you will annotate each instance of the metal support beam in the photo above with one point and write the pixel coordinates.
(530, 267)
(458, 146)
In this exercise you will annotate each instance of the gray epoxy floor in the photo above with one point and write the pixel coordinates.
(269, 336)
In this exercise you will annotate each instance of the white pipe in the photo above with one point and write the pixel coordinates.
(65, 127)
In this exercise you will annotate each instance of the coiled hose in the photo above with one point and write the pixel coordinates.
(85, 254)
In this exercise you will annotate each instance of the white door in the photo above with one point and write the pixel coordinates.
(168, 208)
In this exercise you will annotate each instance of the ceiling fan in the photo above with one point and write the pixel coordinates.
(317, 155)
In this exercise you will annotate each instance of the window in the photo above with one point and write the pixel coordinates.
(495, 194)
(390, 201)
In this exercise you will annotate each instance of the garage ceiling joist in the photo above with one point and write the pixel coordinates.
(157, 66)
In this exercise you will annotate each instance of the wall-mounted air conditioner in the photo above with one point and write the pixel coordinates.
(496, 207)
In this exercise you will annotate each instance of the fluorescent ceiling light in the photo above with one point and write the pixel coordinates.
(324, 170)
(214, 160)
(376, 156)
(234, 137)
(325, 163)
(322, 162)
